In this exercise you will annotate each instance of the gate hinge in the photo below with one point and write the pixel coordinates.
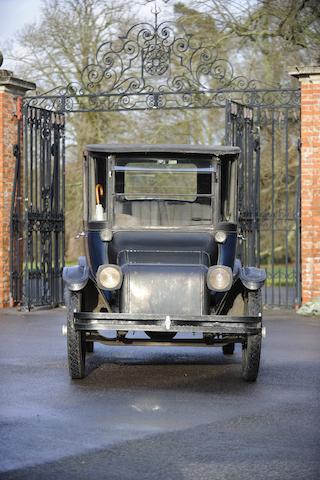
(256, 140)
(241, 237)
(299, 144)
(16, 150)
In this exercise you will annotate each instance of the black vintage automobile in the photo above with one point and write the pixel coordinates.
(160, 230)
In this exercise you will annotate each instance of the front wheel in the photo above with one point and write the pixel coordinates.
(75, 339)
(251, 349)
(251, 358)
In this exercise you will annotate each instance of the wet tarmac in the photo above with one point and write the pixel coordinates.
(146, 413)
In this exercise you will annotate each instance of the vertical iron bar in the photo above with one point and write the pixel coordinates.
(63, 204)
(50, 187)
(257, 187)
(62, 181)
(26, 280)
(31, 230)
(19, 217)
(31, 156)
(241, 173)
(56, 208)
(287, 202)
(41, 188)
(228, 124)
(36, 153)
(246, 186)
(243, 142)
(14, 220)
(266, 287)
(272, 205)
(298, 230)
(53, 206)
(251, 199)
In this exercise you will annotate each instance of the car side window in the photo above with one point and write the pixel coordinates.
(97, 189)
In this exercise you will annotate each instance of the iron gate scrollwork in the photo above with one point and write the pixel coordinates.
(160, 65)
(40, 206)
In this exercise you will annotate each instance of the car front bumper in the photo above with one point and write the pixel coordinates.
(214, 324)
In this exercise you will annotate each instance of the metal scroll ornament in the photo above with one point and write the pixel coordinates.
(159, 65)
(158, 58)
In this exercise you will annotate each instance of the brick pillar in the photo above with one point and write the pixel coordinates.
(309, 78)
(11, 89)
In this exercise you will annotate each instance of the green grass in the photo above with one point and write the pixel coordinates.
(281, 276)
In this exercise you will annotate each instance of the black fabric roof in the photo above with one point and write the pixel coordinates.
(163, 148)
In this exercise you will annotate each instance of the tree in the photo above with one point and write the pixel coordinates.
(271, 34)
(54, 54)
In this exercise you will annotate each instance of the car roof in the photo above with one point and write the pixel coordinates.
(217, 150)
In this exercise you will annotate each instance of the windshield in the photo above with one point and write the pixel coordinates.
(163, 192)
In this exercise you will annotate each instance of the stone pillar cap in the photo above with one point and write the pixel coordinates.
(310, 72)
(10, 83)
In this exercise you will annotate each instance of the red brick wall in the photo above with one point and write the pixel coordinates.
(310, 188)
(8, 137)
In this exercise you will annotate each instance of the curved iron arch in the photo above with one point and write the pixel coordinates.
(162, 66)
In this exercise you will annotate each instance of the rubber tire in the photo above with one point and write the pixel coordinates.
(76, 344)
(161, 336)
(228, 349)
(251, 349)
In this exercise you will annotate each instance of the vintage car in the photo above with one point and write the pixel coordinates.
(161, 235)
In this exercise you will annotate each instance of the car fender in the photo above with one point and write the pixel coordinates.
(252, 278)
(76, 277)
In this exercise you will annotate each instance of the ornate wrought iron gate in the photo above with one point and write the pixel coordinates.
(38, 211)
(279, 215)
(268, 231)
(160, 66)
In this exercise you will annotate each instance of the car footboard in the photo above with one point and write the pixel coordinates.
(216, 324)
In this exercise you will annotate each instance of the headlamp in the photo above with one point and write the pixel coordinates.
(109, 277)
(220, 236)
(219, 278)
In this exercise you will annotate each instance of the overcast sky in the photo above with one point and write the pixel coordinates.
(14, 14)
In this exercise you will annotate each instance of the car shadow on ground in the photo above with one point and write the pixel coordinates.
(201, 369)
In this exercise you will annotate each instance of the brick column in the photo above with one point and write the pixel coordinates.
(11, 90)
(309, 78)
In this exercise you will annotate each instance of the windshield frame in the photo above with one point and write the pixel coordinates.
(195, 159)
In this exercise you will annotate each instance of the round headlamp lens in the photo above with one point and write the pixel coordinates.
(109, 277)
(219, 279)
(220, 236)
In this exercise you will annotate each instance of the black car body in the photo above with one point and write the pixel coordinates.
(161, 235)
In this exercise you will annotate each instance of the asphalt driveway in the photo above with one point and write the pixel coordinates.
(148, 413)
